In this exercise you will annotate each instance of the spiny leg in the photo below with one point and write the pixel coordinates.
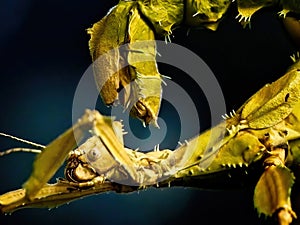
(272, 192)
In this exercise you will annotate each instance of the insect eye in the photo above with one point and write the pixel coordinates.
(93, 155)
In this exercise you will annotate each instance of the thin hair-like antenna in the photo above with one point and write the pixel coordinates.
(37, 151)
(22, 140)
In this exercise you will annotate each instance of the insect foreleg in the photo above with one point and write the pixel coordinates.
(54, 195)
(55, 153)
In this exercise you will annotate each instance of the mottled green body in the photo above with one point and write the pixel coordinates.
(264, 131)
(136, 24)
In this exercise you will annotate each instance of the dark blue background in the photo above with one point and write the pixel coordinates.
(44, 52)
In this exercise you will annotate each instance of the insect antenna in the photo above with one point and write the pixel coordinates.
(12, 150)
(21, 149)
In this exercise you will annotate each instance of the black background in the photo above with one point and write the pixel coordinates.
(44, 52)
